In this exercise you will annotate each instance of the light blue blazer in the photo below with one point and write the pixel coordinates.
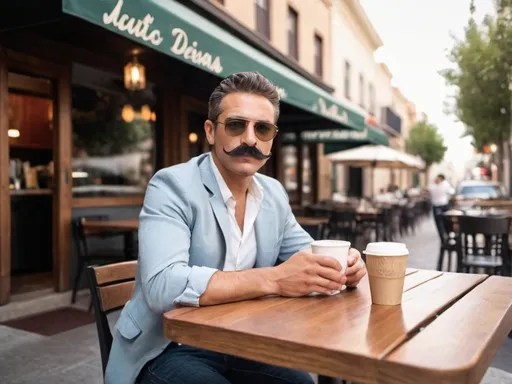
(182, 243)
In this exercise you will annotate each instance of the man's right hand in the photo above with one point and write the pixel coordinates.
(305, 272)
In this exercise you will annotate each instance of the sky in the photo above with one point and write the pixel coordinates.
(417, 34)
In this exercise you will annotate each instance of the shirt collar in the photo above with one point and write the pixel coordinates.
(255, 188)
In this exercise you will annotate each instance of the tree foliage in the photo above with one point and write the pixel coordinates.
(425, 141)
(480, 76)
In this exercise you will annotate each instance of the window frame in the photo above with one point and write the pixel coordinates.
(293, 51)
(319, 56)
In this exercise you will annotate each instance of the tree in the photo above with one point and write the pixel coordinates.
(480, 77)
(425, 141)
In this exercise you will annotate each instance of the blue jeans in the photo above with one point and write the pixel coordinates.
(188, 365)
(438, 211)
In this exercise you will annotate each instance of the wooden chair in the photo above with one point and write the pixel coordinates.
(111, 287)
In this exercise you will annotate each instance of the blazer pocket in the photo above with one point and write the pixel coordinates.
(127, 327)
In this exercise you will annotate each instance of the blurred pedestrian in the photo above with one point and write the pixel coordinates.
(440, 194)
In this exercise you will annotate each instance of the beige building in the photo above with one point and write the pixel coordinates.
(297, 28)
(366, 86)
(300, 30)
(333, 42)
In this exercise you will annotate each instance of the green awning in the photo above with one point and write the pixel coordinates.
(177, 31)
(340, 137)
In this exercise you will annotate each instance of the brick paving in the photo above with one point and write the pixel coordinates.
(73, 357)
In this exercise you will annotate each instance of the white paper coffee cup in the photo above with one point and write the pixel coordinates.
(334, 248)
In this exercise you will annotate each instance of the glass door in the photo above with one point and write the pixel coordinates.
(35, 188)
(31, 102)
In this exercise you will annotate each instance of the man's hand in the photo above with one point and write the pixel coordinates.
(305, 272)
(356, 269)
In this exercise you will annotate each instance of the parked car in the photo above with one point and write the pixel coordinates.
(480, 189)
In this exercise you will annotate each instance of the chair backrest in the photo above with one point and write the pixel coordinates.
(489, 225)
(111, 287)
(79, 233)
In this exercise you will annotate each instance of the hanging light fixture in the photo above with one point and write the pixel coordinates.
(145, 112)
(134, 76)
(127, 113)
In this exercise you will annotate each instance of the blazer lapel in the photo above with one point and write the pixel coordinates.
(216, 201)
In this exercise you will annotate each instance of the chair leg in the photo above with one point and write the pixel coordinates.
(440, 260)
(449, 261)
(78, 274)
(327, 380)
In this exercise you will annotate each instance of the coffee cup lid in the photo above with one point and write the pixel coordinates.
(330, 243)
(386, 249)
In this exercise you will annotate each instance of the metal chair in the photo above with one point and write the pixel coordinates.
(84, 256)
(484, 244)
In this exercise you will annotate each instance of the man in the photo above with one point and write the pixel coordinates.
(211, 232)
(440, 194)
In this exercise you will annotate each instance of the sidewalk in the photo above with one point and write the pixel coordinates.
(73, 357)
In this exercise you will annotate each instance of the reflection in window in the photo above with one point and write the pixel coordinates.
(307, 177)
(289, 153)
(113, 134)
(197, 141)
(290, 162)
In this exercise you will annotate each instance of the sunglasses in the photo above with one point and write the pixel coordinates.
(263, 130)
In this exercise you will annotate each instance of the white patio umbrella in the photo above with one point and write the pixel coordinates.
(376, 156)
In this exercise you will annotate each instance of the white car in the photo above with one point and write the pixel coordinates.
(479, 189)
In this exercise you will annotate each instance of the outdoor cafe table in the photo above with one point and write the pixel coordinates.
(447, 330)
(127, 227)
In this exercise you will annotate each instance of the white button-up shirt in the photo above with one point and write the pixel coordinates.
(241, 245)
(441, 193)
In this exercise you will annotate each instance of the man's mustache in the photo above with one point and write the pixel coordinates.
(245, 150)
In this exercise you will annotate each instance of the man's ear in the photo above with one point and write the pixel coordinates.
(209, 129)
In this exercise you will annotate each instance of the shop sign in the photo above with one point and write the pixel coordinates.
(282, 93)
(334, 111)
(181, 46)
(327, 135)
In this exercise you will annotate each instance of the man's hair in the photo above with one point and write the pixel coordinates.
(244, 82)
(441, 176)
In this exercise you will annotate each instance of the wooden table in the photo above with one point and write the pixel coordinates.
(302, 220)
(112, 225)
(447, 330)
(127, 227)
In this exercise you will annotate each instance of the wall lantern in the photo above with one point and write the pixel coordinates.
(134, 76)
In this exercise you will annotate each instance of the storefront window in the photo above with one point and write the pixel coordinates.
(307, 177)
(113, 134)
(197, 141)
(289, 153)
(290, 160)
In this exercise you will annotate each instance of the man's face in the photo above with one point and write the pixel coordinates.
(238, 108)
(438, 180)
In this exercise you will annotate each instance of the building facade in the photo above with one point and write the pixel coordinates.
(365, 85)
